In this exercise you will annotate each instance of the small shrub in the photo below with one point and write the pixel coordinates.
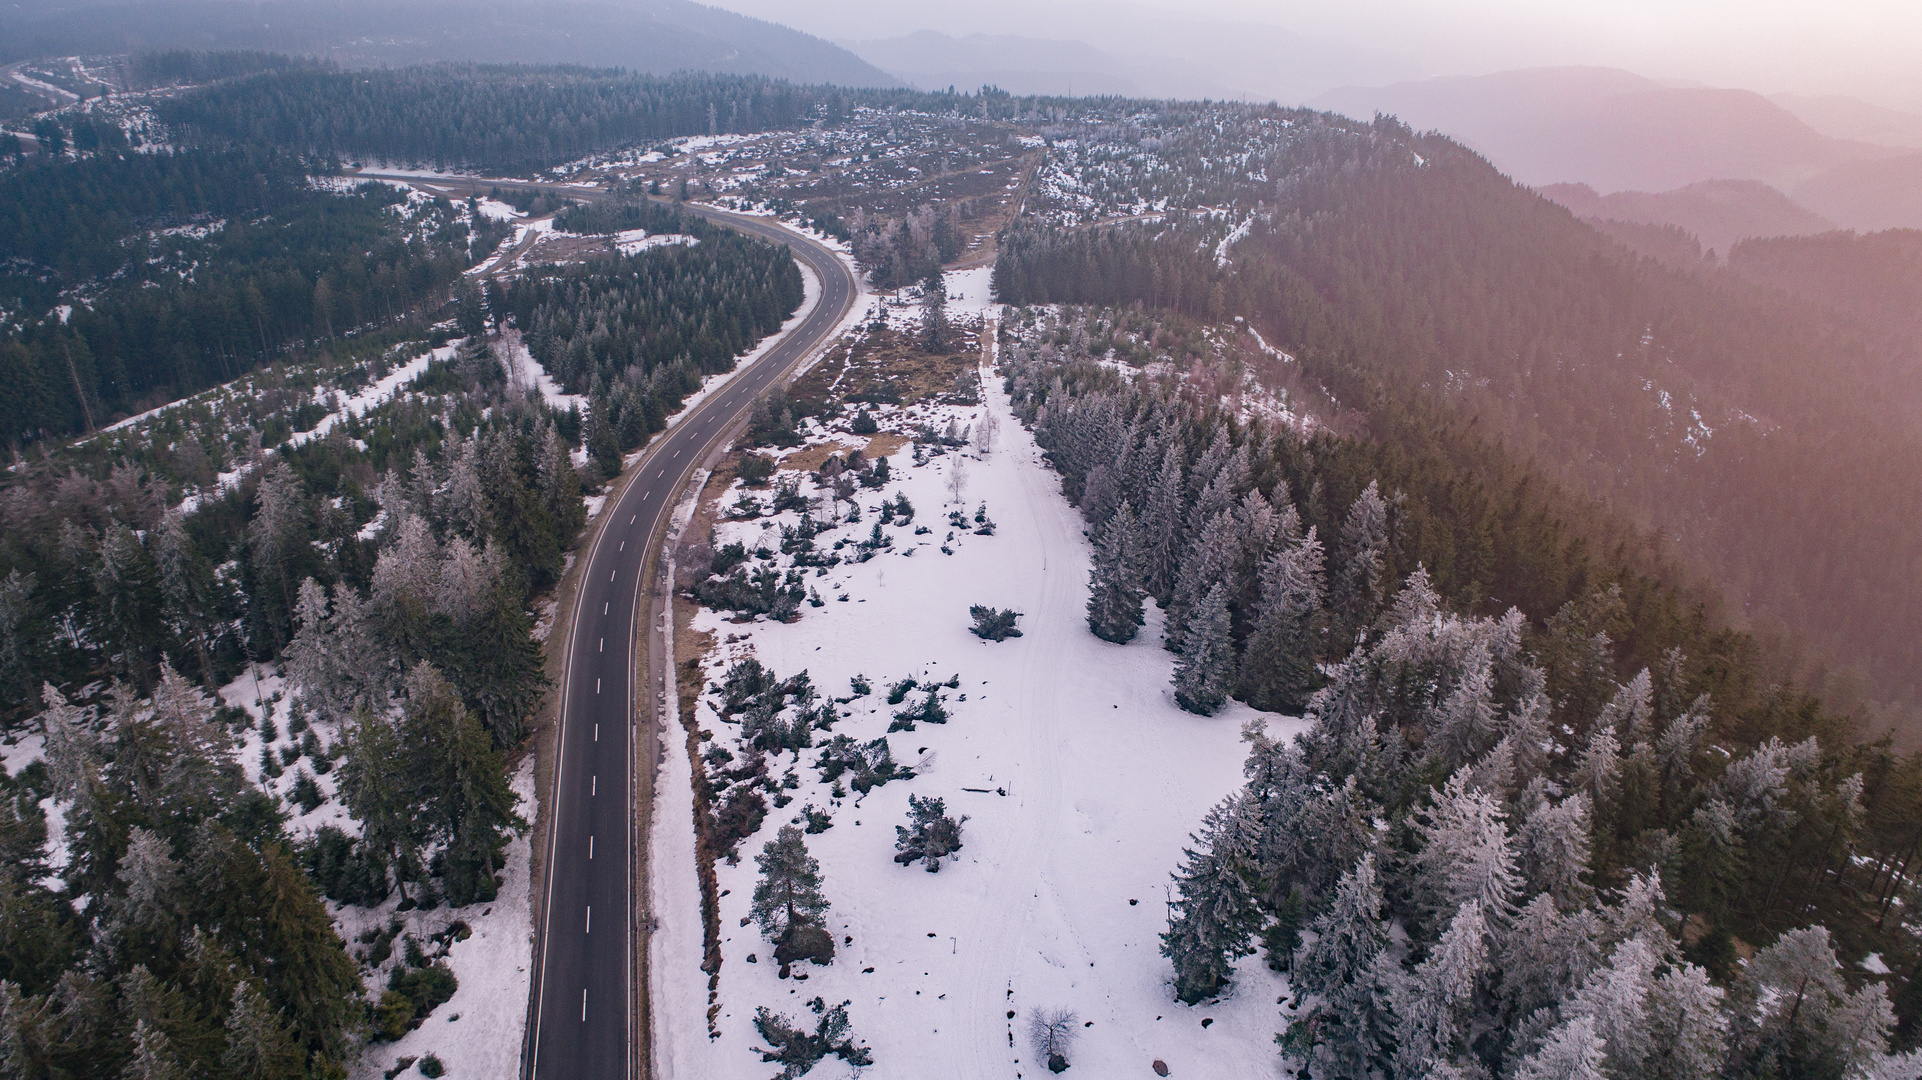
(994, 624)
(798, 1051)
(929, 835)
(818, 821)
(430, 1066)
(899, 691)
(864, 423)
(755, 469)
(868, 765)
(928, 711)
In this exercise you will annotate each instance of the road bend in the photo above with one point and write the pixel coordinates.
(583, 1008)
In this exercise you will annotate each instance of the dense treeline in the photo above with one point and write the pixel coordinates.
(1876, 278)
(202, 947)
(387, 568)
(488, 117)
(1698, 406)
(175, 272)
(638, 333)
(181, 67)
(1589, 799)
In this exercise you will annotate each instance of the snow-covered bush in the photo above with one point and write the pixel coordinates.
(930, 834)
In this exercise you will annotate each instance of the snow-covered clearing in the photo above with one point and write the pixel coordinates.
(635, 241)
(1058, 897)
(377, 393)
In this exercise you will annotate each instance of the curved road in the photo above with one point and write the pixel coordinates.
(584, 954)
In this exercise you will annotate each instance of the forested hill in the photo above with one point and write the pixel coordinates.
(487, 117)
(641, 35)
(1769, 442)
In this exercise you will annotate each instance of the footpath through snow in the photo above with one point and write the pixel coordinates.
(1057, 898)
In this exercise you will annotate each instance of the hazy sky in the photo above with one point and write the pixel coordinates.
(1871, 48)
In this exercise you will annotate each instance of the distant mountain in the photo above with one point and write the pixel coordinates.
(641, 35)
(1869, 195)
(1019, 65)
(1610, 129)
(1852, 118)
(1157, 53)
(1717, 212)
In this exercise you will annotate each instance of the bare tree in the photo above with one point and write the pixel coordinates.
(1053, 1032)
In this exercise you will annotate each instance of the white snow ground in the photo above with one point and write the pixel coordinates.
(1057, 898)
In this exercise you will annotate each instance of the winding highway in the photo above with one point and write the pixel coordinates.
(591, 933)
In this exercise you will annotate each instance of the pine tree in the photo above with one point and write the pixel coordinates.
(1615, 998)
(1543, 957)
(1363, 553)
(464, 776)
(258, 1044)
(1114, 592)
(1161, 526)
(1552, 850)
(1573, 1052)
(1211, 562)
(1688, 1030)
(1349, 1029)
(153, 1056)
(1214, 920)
(1466, 853)
(1464, 725)
(1794, 1012)
(1435, 1007)
(1205, 671)
(788, 898)
(1278, 668)
(379, 787)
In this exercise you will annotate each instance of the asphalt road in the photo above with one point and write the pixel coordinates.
(584, 980)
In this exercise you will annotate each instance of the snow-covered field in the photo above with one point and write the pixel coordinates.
(1088, 781)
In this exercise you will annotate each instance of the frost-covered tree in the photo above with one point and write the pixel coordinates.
(1114, 590)
(1464, 726)
(1205, 671)
(1363, 557)
(1552, 846)
(1347, 1028)
(1435, 1008)
(1466, 854)
(1688, 1029)
(1573, 1052)
(1795, 1014)
(1209, 564)
(1214, 917)
(1543, 957)
(259, 1046)
(153, 1055)
(1278, 665)
(332, 659)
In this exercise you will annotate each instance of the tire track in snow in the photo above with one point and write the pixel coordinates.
(1001, 928)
